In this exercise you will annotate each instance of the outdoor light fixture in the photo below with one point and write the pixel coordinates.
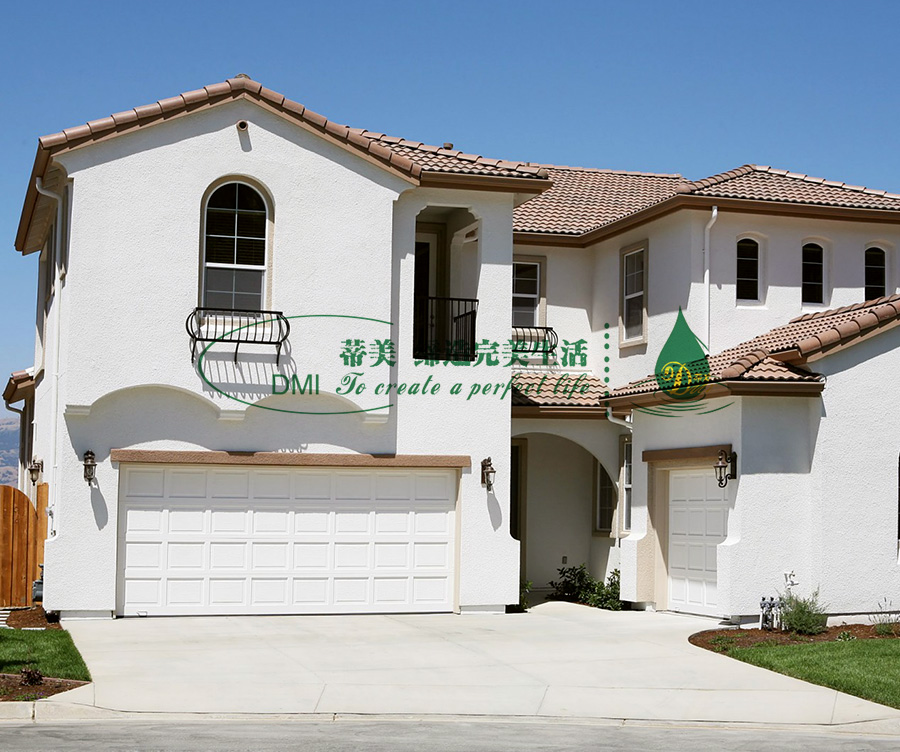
(35, 468)
(726, 467)
(90, 467)
(487, 474)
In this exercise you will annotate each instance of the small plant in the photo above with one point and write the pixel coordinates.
(31, 677)
(607, 596)
(576, 584)
(886, 620)
(722, 643)
(803, 616)
(524, 590)
(845, 636)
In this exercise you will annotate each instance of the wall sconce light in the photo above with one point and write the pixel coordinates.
(90, 467)
(726, 467)
(487, 474)
(35, 468)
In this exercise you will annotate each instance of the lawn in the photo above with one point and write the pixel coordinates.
(50, 651)
(866, 668)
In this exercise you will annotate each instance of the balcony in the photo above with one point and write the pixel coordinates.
(237, 328)
(444, 328)
(539, 341)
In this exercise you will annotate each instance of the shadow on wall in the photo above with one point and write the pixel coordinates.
(155, 414)
(779, 434)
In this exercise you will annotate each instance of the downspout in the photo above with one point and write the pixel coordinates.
(706, 287)
(22, 459)
(618, 421)
(54, 395)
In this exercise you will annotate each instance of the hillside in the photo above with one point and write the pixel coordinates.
(9, 450)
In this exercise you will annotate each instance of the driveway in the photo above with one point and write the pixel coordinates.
(558, 660)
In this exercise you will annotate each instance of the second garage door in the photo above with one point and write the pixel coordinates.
(201, 540)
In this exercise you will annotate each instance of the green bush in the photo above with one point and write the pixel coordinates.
(576, 584)
(804, 616)
(886, 620)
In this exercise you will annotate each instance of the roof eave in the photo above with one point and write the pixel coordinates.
(558, 411)
(499, 183)
(729, 388)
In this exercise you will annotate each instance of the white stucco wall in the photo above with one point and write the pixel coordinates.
(343, 245)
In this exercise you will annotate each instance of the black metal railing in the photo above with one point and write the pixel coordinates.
(444, 328)
(534, 340)
(237, 328)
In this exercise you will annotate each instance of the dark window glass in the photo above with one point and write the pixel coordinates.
(633, 295)
(606, 500)
(813, 274)
(876, 278)
(235, 237)
(747, 282)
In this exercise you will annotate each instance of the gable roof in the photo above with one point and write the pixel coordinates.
(419, 163)
(584, 202)
(781, 354)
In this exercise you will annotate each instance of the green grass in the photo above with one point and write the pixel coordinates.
(866, 668)
(50, 651)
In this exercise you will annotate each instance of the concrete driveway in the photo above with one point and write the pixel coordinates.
(557, 660)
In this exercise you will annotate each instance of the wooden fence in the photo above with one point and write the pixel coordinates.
(23, 530)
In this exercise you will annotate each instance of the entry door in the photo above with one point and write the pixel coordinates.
(698, 517)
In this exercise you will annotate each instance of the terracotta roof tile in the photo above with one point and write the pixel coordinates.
(803, 337)
(584, 199)
(541, 389)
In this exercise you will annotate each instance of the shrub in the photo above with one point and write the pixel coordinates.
(576, 584)
(524, 590)
(31, 677)
(607, 596)
(804, 616)
(845, 636)
(886, 620)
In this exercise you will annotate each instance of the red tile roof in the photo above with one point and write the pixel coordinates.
(583, 200)
(557, 389)
(780, 354)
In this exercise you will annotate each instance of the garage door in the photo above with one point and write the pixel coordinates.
(698, 515)
(201, 540)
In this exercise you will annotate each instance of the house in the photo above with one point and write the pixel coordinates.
(287, 366)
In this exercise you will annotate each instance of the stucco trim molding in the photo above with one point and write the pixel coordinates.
(288, 459)
(684, 453)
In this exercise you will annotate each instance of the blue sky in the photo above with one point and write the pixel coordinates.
(695, 88)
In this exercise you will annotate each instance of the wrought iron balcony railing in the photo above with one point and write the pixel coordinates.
(535, 340)
(237, 328)
(444, 328)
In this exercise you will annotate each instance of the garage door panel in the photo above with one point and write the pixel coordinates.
(268, 554)
(146, 483)
(698, 517)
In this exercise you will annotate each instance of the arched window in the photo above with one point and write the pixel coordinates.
(234, 253)
(876, 278)
(813, 273)
(747, 278)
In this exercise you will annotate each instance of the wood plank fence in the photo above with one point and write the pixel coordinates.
(23, 530)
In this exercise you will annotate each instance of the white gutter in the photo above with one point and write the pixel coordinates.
(618, 421)
(54, 383)
(706, 288)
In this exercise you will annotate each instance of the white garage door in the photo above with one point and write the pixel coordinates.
(201, 540)
(698, 515)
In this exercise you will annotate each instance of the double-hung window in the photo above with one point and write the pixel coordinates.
(813, 273)
(606, 500)
(876, 277)
(634, 299)
(234, 257)
(526, 293)
(626, 484)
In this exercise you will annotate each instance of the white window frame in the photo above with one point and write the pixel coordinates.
(626, 497)
(627, 252)
(761, 287)
(826, 273)
(604, 530)
(540, 304)
(264, 268)
(877, 245)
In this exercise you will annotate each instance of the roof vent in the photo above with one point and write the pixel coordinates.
(448, 145)
(243, 75)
